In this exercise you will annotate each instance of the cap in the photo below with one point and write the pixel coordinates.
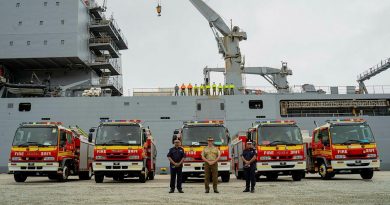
(210, 139)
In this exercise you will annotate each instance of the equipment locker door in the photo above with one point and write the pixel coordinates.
(210, 109)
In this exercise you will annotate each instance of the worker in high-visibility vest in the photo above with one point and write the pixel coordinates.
(226, 89)
(196, 90)
(201, 89)
(214, 89)
(220, 89)
(183, 89)
(208, 89)
(189, 87)
(232, 87)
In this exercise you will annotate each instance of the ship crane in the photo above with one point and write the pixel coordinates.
(382, 66)
(228, 40)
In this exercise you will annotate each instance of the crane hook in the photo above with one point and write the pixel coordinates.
(158, 8)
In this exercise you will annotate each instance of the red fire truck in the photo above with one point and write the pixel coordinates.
(343, 146)
(124, 148)
(194, 135)
(280, 150)
(50, 149)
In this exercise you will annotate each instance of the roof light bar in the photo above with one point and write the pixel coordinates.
(120, 121)
(205, 122)
(42, 123)
(276, 122)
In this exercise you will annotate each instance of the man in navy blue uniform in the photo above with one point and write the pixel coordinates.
(176, 157)
(249, 157)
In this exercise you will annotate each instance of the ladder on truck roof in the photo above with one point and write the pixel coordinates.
(78, 131)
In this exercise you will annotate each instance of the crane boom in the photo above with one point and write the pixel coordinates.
(212, 17)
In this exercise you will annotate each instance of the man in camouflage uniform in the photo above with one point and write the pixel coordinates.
(210, 156)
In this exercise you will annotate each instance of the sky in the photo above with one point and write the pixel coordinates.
(325, 42)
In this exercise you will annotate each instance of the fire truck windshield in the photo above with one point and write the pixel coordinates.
(36, 136)
(273, 135)
(118, 135)
(347, 134)
(198, 135)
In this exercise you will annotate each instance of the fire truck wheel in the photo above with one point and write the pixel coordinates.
(19, 177)
(297, 175)
(272, 176)
(323, 171)
(142, 178)
(65, 174)
(367, 173)
(99, 178)
(225, 177)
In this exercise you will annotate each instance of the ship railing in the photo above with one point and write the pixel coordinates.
(104, 40)
(115, 62)
(113, 24)
(108, 81)
(153, 92)
(372, 89)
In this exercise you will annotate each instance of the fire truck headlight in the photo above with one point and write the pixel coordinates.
(16, 158)
(223, 158)
(100, 157)
(371, 155)
(340, 156)
(134, 157)
(48, 159)
(297, 157)
(265, 158)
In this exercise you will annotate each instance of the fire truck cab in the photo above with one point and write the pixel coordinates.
(280, 149)
(343, 146)
(50, 149)
(194, 135)
(124, 148)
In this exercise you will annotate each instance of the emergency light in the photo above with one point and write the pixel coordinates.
(121, 121)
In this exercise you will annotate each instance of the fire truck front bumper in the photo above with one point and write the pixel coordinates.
(355, 164)
(281, 166)
(33, 166)
(118, 166)
(199, 167)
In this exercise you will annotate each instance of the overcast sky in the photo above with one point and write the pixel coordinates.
(325, 42)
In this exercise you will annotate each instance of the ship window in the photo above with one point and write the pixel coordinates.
(24, 107)
(28, 43)
(126, 103)
(41, 23)
(11, 43)
(62, 21)
(20, 23)
(45, 42)
(260, 116)
(45, 3)
(255, 104)
(165, 118)
(17, 4)
(57, 3)
(10, 105)
(45, 118)
(104, 118)
(62, 42)
(199, 106)
(174, 103)
(222, 106)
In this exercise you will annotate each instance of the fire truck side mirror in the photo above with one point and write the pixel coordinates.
(90, 136)
(91, 130)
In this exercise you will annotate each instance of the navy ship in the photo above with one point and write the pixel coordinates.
(61, 61)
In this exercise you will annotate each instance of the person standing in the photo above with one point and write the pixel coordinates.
(210, 156)
(183, 89)
(208, 89)
(226, 89)
(176, 90)
(220, 89)
(189, 87)
(232, 87)
(214, 89)
(249, 156)
(201, 89)
(196, 90)
(176, 157)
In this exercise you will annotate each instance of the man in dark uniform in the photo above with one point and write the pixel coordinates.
(249, 157)
(176, 157)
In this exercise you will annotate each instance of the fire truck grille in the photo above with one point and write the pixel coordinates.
(358, 165)
(282, 157)
(117, 156)
(357, 156)
(32, 158)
